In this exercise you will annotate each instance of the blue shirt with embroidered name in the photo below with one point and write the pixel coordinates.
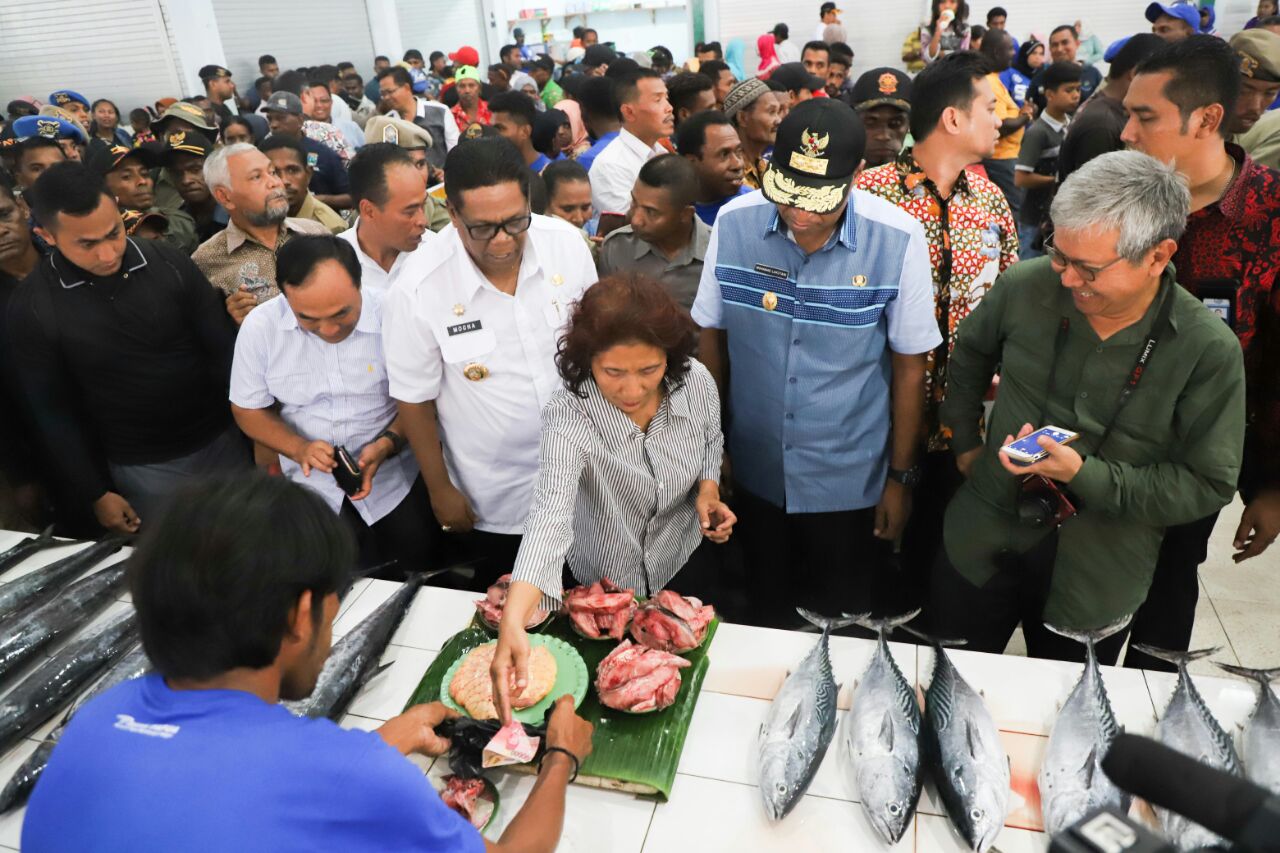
(810, 337)
(145, 767)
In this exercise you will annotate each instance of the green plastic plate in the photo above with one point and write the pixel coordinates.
(571, 678)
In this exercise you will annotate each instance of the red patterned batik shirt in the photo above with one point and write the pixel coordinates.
(972, 239)
(483, 116)
(1230, 258)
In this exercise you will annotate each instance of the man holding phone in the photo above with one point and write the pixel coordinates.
(1098, 339)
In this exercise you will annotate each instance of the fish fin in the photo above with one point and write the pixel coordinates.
(826, 623)
(932, 640)
(1090, 764)
(46, 534)
(382, 667)
(886, 732)
(971, 739)
(1262, 676)
(1178, 658)
(793, 721)
(885, 625)
(1092, 635)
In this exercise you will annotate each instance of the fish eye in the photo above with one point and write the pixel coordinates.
(895, 809)
(782, 788)
(976, 814)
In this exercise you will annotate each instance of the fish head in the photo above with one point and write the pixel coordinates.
(782, 782)
(981, 810)
(890, 794)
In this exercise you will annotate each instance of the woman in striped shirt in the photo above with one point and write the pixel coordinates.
(629, 469)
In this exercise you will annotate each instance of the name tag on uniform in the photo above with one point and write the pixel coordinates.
(463, 328)
(773, 271)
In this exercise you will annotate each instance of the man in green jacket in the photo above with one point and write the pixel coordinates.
(1098, 339)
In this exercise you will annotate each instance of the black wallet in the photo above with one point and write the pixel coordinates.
(347, 472)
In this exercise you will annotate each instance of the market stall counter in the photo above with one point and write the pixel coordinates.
(713, 802)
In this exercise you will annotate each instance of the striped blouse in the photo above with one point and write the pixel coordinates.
(614, 501)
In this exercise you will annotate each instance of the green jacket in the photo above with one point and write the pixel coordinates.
(1173, 455)
(181, 233)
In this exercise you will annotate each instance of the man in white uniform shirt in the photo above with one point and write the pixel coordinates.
(309, 377)
(471, 346)
(390, 235)
(646, 118)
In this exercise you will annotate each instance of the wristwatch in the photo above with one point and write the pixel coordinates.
(909, 478)
(397, 441)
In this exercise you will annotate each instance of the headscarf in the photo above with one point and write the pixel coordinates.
(573, 110)
(733, 56)
(767, 48)
(518, 82)
(1024, 54)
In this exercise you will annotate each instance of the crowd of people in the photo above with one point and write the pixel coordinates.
(734, 332)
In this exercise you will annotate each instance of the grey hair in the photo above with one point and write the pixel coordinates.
(217, 170)
(1142, 199)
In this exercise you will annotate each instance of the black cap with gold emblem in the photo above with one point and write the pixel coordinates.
(882, 87)
(819, 146)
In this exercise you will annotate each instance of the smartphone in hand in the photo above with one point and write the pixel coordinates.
(1027, 451)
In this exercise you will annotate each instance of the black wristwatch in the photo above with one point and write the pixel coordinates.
(909, 478)
(397, 441)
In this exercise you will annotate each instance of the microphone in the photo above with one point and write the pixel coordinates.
(1230, 806)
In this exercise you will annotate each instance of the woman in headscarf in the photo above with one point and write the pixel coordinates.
(768, 50)
(1017, 77)
(733, 57)
(522, 82)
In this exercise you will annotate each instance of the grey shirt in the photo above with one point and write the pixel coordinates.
(624, 251)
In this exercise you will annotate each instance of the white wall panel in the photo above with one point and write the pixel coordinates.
(295, 32)
(444, 25)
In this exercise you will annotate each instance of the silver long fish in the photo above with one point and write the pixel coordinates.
(1188, 726)
(26, 636)
(1262, 733)
(1072, 783)
(801, 722)
(32, 544)
(133, 664)
(53, 683)
(882, 739)
(32, 590)
(353, 659)
(970, 766)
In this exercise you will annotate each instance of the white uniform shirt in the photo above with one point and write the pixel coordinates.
(451, 322)
(332, 392)
(373, 277)
(614, 172)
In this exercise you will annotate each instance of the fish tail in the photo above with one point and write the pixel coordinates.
(1092, 636)
(1180, 659)
(827, 623)
(46, 535)
(885, 625)
(934, 641)
(1262, 676)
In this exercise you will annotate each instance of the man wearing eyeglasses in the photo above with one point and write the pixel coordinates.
(470, 346)
(1096, 338)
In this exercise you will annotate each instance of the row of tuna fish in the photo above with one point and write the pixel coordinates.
(888, 743)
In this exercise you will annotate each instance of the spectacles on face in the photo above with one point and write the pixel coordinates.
(486, 231)
(1060, 262)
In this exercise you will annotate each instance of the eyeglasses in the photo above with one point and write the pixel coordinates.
(486, 231)
(1060, 262)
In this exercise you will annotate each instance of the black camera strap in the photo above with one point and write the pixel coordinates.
(1135, 375)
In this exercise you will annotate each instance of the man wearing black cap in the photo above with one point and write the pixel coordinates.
(219, 89)
(785, 48)
(799, 83)
(183, 160)
(126, 173)
(816, 302)
(882, 97)
(595, 62)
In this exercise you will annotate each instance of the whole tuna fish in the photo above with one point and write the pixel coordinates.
(133, 664)
(1262, 732)
(32, 544)
(801, 722)
(970, 767)
(32, 590)
(1072, 783)
(24, 637)
(1189, 727)
(882, 739)
(53, 683)
(354, 659)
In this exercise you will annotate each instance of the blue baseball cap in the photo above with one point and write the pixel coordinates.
(1114, 48)
(50, 127)
(62, 97)
(1185, 11)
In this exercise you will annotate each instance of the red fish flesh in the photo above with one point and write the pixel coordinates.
(600, 610)
(463, 796)
(670, 622)
(637, 679)
(490, 607)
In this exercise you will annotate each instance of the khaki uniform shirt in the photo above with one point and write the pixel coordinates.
(317, 211)
(231, 259)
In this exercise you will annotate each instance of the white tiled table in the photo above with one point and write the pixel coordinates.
(714, 803)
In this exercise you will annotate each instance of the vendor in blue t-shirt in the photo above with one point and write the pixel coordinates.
(236, 589)
(710, 142)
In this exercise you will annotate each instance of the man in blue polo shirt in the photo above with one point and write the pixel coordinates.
(236, 587)
(817, 303)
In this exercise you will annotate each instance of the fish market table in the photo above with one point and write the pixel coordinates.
(714, 803)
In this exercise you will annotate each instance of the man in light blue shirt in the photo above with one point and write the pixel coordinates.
(817, 303)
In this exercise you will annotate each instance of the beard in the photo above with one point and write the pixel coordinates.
(275, 212)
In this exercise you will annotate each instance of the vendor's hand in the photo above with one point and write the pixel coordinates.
(892, 511)
(1259, 526)
(566, 730)
(415, 729)
(1062, 464)
(314, 454)
(240, 303)
(371, 457)
(510, 667)
(715, 517)
(451, 509)
(114, 513)
(965, 461)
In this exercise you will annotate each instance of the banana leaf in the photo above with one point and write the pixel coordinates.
(638, 753)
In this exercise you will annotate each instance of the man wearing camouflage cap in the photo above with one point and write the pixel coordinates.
(1256, 129)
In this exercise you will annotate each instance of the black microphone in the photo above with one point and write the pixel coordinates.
(1234, 808)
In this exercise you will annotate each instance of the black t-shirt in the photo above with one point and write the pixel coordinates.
(1090, 81)
(330, 176)
(1095, 131)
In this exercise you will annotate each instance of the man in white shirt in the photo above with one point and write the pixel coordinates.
(471, 345)
(309, 377)
(646, 118)
(390, 235)
(396, 88)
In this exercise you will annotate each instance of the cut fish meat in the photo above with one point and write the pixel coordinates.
(670, 622)
(639, 679)
(601, 610)
(490, 607)
(467, 798)
(472, 686)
